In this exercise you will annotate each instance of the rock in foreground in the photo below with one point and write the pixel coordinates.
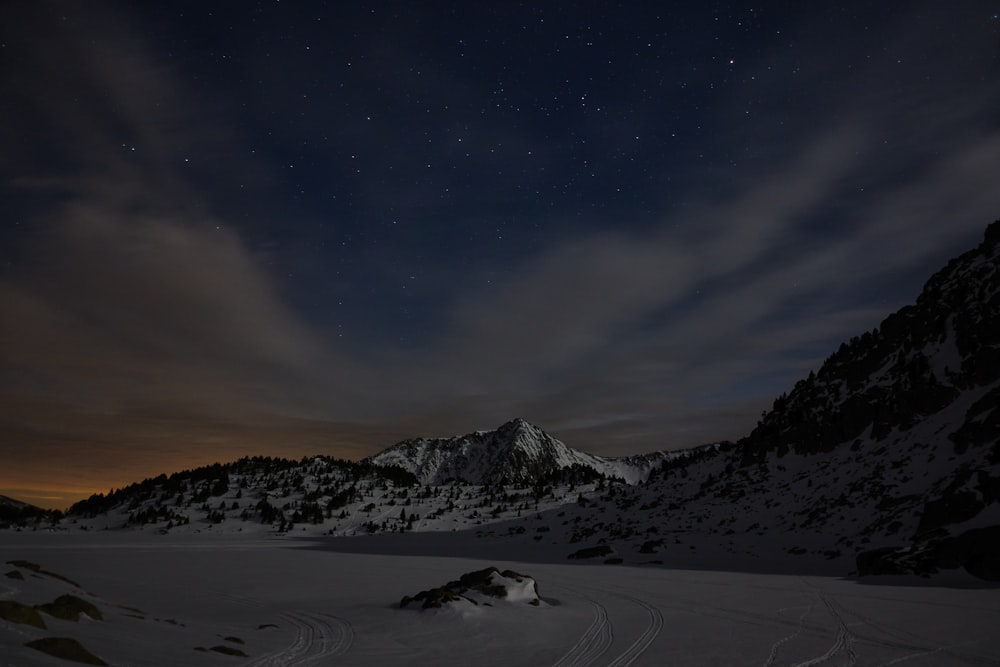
(481, 587)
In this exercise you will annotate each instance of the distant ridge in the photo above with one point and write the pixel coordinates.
(517, 452)
(15, 513)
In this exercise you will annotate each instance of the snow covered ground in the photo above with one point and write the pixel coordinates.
(282, 601)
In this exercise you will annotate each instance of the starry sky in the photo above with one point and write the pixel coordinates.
(288, 228)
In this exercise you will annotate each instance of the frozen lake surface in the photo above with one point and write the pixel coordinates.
(287, 602)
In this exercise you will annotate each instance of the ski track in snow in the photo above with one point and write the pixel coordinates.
(777, 645)
(901, 639)
(592, 643)
(598, 638)
(843, 643)
(317, 638)
(842, 650)
(639, 646)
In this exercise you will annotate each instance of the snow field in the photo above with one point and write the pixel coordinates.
(290, 605)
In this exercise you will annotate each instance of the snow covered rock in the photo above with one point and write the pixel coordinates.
(481, 587)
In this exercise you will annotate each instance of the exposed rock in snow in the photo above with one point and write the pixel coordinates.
(482, 587)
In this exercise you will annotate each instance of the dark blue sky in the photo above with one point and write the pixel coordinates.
(289, 227)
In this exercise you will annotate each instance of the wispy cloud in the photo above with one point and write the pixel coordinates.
(139, 326)
(141, 322)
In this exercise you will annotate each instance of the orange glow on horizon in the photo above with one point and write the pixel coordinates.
(48, 497)
(99, 465)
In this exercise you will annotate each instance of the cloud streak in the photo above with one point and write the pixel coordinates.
(143, 326)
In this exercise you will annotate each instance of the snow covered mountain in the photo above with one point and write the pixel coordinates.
(516, 453)
(939, 352)
(884, 460)
(887, 459)
(917, 400)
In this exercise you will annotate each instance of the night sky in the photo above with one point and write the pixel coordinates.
(288, 228)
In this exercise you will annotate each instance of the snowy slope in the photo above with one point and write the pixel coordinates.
(885, 460)
(922, 359)
(788, 513)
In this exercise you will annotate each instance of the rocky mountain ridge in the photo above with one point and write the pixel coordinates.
(921, 359)
(516, 453)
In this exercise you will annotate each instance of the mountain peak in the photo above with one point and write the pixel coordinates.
(517, 452)
(517, 423)
(521, 430)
